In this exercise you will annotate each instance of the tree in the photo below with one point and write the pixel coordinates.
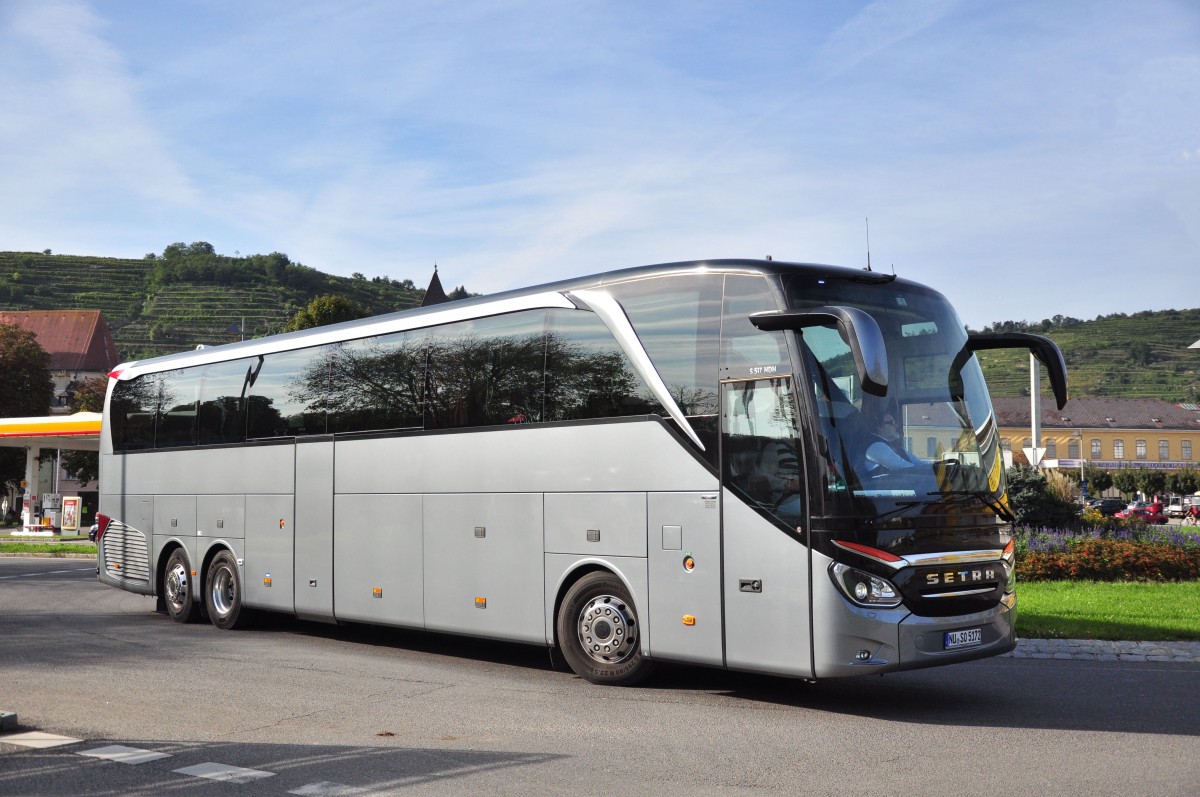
(1184, 481)
(1125, 480)
(88, 397)
(1098, 479)
(25, 391)
(1151, 481)
(327, 309)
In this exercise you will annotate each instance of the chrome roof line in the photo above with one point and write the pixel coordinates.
(613, 315)
(334, 333)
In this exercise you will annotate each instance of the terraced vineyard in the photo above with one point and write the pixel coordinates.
(1142, 355)
(151, 315)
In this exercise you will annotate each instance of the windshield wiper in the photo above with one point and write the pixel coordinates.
(901, 507)
(984, 498)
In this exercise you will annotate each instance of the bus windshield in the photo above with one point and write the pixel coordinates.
(930, 445)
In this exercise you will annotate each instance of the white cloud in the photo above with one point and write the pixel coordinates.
(520, 143)
(76, 148)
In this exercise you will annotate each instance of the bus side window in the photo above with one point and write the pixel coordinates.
(678, 320)
(486, 372)
(179, 391)
(376, 384)
(288, 397)
(587, 375)
(747, 351)
(762, 458)
(220, 417)
(132, 415)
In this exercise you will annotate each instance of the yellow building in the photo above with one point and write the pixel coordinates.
(1108, 433)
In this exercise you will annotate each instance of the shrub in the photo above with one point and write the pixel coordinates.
(1121, 553)
(1034, 500)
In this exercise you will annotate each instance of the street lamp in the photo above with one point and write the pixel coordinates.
(1082, 463)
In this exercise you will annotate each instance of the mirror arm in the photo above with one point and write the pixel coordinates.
(1044, 349)
(856, 327)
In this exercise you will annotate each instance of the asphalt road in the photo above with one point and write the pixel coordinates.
(310, 709)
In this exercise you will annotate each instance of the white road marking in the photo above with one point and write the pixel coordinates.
(125, 755)
(38, 740)
(329, 789)
(224, 772)
(91, 569)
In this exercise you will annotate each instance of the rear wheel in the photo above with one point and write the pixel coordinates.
(223, 592)
(178, 595)
(599, 633)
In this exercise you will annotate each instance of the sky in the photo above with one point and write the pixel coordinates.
(1027, 159)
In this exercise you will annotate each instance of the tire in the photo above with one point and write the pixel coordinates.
(223, 593)
(599, 632)
(179, 599)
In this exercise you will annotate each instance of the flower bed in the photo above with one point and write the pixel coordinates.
(1110, 553)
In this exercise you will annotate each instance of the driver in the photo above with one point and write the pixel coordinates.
(883, 451)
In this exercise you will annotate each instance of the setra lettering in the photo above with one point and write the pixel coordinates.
(946, 577)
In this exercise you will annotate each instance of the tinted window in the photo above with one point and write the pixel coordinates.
(677, 320)
(179, 397)
(132, 413)
(221, 416)
(486, 372)
(376, 383)
(762, 457)
(588, 375)
(291, 393)
(747, 351)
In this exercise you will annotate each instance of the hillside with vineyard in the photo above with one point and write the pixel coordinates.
(187, 296)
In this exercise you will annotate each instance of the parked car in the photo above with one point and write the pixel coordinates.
(1175, 508)
(1109, 506)
(1143, 514)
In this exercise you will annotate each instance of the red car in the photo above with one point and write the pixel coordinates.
(1143, 514)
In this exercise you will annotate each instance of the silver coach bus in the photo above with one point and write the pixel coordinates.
(771, 467)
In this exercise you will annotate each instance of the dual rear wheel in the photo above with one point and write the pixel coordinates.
(222, 593)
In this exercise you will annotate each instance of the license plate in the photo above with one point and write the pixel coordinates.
(963, 639)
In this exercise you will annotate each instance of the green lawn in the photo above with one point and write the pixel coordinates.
(47, 548)
(1103, 610)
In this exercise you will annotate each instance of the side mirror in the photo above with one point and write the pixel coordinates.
(1046, 351)
(856, 327)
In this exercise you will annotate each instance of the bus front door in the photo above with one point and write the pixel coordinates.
(766, 590)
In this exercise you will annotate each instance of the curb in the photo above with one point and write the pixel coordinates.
(1101, 650)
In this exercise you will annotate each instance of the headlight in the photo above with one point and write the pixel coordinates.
(865, 589)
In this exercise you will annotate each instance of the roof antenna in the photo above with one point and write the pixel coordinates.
(868, 221)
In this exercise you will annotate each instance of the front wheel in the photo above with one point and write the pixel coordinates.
(223, 592)
(599, 632)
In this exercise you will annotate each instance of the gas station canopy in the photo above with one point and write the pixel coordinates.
(78, 432)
